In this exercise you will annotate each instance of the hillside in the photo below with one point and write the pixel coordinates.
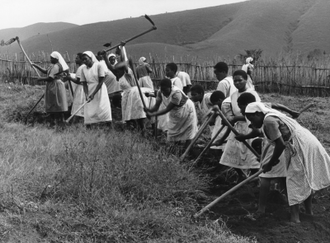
(274, 26)
(261, 24)
(35, 29)
(312, 30)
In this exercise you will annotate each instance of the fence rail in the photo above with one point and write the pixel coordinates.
(283, 79)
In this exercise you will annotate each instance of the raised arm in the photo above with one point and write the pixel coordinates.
(41, 69)
(281, 107)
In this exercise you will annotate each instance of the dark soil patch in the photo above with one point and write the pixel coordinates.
(237, 210)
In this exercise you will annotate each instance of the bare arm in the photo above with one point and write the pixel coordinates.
(72, 78)
(41, 69)
(98, 87)
(278, 150)
(284, 108)
(162, 112)
(253, 134)
(149, 69)
(155, 107)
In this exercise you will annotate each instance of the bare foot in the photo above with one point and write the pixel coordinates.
(293, 223)
(294, 214)
(295, 220)
(259, 214)
(309, 212)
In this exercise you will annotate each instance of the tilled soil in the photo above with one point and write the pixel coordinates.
(237, 211)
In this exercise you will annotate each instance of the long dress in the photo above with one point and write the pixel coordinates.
(275, 126)
(163, 119)
(55, 94)
(226, 110)
(227, 87)
(202, 109)
(236, 154)
(142, 71)
(99, 109)
(248, 67)
(131, 103)
(182, 119)
(78, 94)
(308, 164)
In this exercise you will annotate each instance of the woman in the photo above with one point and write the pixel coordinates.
(235, 153)
(143, 71)
(98, 109)
(112, 59)
(55, 95)
(248, 67)
(182, 118)
(131, 103)
(110, 80)
(78, 93)
(307, 162)
(170, 72)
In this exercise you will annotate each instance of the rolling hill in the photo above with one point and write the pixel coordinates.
(32, 30)
(274, 26)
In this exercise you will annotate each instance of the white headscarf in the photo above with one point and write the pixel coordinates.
(60, 59)
(91, 55)
(113, 55)
(260, 107)
(142, 60)
(248, 60)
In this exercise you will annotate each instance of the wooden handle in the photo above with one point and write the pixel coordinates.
(210, 143)
(134, 37)
(130, 62)
(306, 108)
(27, 58)
(200, 131)
(203, 210)
(74, 113)
(236, 133)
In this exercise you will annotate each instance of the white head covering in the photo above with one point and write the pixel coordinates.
(142, 60)
(91, 55)
(113, 55)
(249, 60)
(60, 59)
(260, 107)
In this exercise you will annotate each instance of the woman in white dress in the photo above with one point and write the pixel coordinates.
(98, 109)
(307, 162)
(235, 153)
(182, 118)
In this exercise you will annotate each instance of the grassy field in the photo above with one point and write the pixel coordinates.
(105, 185)
(79, 185)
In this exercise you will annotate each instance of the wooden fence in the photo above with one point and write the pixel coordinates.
(283, 79)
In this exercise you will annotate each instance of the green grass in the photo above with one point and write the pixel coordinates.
(79, 185)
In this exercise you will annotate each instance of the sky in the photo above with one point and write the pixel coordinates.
(21, 13)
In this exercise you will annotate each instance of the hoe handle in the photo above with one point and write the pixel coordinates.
(203, 210)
